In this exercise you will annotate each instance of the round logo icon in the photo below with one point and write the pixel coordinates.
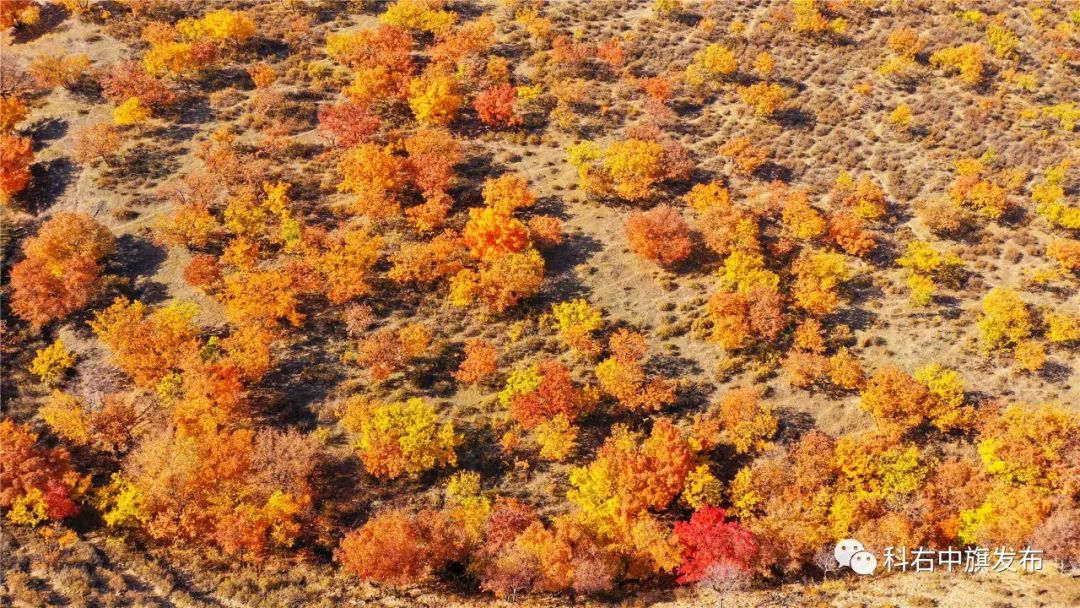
(845, 549)
(864, 563)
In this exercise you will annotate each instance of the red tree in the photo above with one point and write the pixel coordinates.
(495, 106)
(27, 469)
(711, 545)
(350, 123)
(129, 79)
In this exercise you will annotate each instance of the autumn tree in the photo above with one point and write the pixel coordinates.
(846, 371)
(895, 399)
(741, 318)
(495, 106)
(984, 193)
(1029, 445)
(1005, 321)
(18, 13)
(129, 79)
(52, 362)
(740, 419)
(432, 154)
(967, 61)
(508, 193)
(622, 376)
(744, 157)
(388, 351)
(927, 266)
(541, 391)
(348, 123)
(12, 112)
(178, 55)
(345, 262)
(710, 544)
(577, 320)
(36, 483)
(16, 155)
(95, 142)
(545, 231)
(50, 70)
(400, 547)
(62, 268)
(263, 297)
(632, 476)
(435, 98)
(147, 345)
(243, 492)
(381, 59)
(491, 232)
(862, 196)
(430, 261)
(420, 16)
(499, 283)
(480, 362)
(399, 438)
(131, 112)
(818, 276)
(765, 99)
(630, 168)
(800, 219)
(783, 498)
(376, 175)
(1066, 252)
(848, 232)
(660, 235)
(713, 62)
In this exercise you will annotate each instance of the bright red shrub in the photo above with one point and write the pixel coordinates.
(710, 544)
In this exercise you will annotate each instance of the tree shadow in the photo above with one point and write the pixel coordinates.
(793, 424)
(50, 16)
(50, 181)
(563, 283)
(1054, 372)
(46, 130)
(136, 260)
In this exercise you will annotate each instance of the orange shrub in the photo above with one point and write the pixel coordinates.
(61, 271)
(499, 283)
(399, 547)
(95, 142)
(480, 363)
(743, 156)
(495, 106)
(16, 154)
(508, 193)
(490, 233)
(660, 235)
